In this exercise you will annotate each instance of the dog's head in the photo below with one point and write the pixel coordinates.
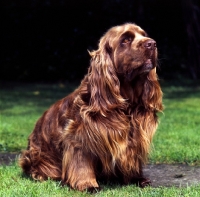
(126, 57)
(131, 50)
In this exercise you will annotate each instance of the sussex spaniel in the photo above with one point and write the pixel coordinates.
(103, 130)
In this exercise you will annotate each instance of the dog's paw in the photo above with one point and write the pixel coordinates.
(89, 186)
(144, 182)
(93, 190)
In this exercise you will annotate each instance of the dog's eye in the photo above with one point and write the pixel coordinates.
(127, 40)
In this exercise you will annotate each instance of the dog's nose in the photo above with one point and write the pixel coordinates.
(150, 44)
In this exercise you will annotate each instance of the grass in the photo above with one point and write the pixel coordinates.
(21, 106)
(176, 141)
(13, 184)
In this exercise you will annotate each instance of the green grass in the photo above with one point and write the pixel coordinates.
(177, 139)
(21, 106)
(13, 184)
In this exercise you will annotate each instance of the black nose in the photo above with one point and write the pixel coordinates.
(150, 44)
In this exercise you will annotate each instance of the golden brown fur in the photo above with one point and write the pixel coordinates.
(103, 129)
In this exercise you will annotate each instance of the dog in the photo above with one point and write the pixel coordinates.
(103, 130)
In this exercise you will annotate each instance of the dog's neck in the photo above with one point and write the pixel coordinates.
(132, 90)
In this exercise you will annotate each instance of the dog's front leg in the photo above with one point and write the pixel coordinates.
(78, 171)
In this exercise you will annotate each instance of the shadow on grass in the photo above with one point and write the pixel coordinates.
(32, 95)
(181, 89)
(45, 94)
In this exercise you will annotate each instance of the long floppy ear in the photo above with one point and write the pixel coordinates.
(103, 81)
(152, 91)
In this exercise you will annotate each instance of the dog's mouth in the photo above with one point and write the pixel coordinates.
(145, 68)
(148, 65)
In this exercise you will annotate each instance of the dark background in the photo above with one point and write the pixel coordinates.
(48, 40)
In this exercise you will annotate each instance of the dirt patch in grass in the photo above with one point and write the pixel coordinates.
(178, 175)
(8, 158)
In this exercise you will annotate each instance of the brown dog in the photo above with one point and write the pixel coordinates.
(104, 128)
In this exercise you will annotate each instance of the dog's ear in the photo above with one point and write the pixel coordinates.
(108, 48)
(103, 81)
(152, 94)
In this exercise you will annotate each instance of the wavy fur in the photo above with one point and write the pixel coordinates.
(103, 129)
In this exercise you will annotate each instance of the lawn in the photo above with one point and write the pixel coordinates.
(177, 139)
